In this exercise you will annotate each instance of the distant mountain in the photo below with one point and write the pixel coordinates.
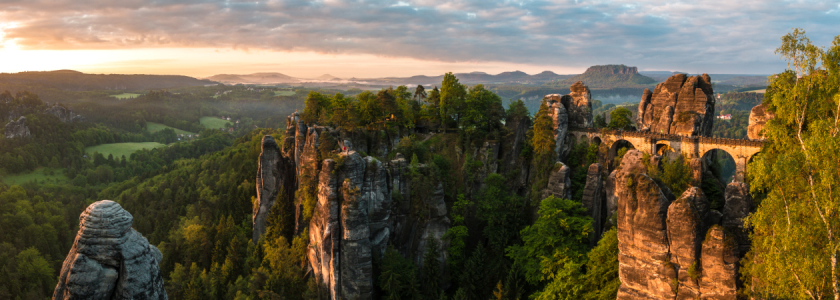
(255, 78)
(609, 76)
(326, 77)
(473, 78)
(70, 80)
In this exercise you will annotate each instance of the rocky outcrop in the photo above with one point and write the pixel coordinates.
(594, 201)
(611, 197)
(17, 129)
(738, 205)
(579, 106)
(62, 113)
(512, 161)
(719, 265)
(559, 182)
(685, 229)
(682, 105)
(109, 259)
(560, 117)
(351, 225)
(275, 181)
(674, 249)
(759, 115)
(644, 267)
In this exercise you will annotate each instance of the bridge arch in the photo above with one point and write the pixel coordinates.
(614, 150)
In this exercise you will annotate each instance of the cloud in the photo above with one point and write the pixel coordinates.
(706, 36)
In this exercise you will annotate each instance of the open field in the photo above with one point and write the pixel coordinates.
(41, 174)
(124, 96)
(155, 127)
(284, 93)
(761, 91)
(213, 122)
(120, 149)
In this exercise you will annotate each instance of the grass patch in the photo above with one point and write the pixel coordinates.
(761, 91)
(124, 96)
(284, 93)
(155, 127)
(120, 149)
(41, 174)
(214, 122)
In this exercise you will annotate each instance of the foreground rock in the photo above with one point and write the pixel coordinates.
(109, 259)
(759, 115)
(674, 249)
(594, 200)
(681, 105)
(17, 129)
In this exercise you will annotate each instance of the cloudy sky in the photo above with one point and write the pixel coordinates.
(369, 38)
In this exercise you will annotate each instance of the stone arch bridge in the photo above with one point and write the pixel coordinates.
(741, 150)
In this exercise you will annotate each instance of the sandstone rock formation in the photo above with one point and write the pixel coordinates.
(738, 205)
(355, 212)
(559, 115)
(759, 115)
(674, 249)
(275, 175)
(719, 265)
(681, 105)
(62, 113)
(510, 150)
(579, 106)
(644, 267)
(559, 182)
(594, 200)
(17, 129)
(109, 259)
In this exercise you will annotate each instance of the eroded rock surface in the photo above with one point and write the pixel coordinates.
(674, 249)
(275, 177)
(594, 200)
(560, 117)
(64, 114)
(681, 105)
(109, 259)
(580, 106)
(644, 267)
(17, 129)
(738, 205)
(720, 265)
(759, 115)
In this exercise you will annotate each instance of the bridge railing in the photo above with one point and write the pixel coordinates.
(673, 137)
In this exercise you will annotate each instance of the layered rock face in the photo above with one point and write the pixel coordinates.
(109, 259)
(674, 248)
(355, 215)
(759, 115)
(559, 115)
(594, 200)
(681, 105)
(569, 111)
(17, 129)
(275, 177)
(62, 113)
(579, 106)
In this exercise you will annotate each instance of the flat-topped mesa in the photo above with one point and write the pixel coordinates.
(612, 69)
(682, 105)
(109, 259)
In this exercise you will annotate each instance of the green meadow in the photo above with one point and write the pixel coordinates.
(284, 93)
(124, 96)
(214, 122)
(120, 149)
(155, 127)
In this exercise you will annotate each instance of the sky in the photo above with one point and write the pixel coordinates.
(369, 38)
